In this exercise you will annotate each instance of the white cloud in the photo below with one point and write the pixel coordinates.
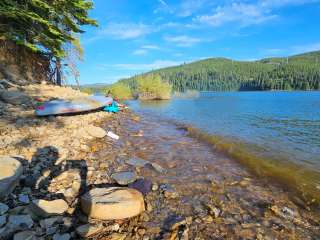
(152, 47)
(242, 13)
(125, 31)
(143, 50)
(140, 52)
(282, 3)
(146, 66)
(189, 7)
(162, 2)
(183, 40)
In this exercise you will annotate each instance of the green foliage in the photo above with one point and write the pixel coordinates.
(44, 25)
(300, 72)
(120, 91)
(151, 86)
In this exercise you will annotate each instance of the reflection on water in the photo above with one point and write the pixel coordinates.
(280, 130)
(155, 104)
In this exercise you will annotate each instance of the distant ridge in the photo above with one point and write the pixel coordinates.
(297, 72)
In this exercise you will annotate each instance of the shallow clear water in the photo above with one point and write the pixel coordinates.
(280, 126)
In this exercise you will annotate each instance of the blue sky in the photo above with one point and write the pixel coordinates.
(136, 36)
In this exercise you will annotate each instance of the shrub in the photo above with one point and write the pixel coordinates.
(120, 91)
(152, 87)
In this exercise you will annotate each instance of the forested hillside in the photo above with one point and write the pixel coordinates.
(299, 72)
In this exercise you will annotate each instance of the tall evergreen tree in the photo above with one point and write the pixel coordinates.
(44, 26)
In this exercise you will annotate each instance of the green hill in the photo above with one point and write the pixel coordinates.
(299, 72)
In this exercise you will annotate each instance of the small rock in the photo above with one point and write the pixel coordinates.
(48, 222)
(3, 208)
(155, 187)
(112, 203)
(117, 236)
(214, 210)
(137, 162)
(124, 178)
(88, 230)
(11, 171)
(24, 198)
(169, 192)
(208, 219)
(58, 236)
(158, 168)
(20, 222)
(174, 222)
(141, 231)
(46, 208)
(25, 235)
(3, 220)
(142, 185)
(94, 131)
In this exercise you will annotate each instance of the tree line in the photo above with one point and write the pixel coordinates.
(47, 27)
(300, 72)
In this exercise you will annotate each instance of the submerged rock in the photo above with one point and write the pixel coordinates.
(137, 162)
(46, 208)
(174, 222)
(168, 191)
(142, 185)
(158, 168)
(11, 171)
(124, 178)
(112, 203)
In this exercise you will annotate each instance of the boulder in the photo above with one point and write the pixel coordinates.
(11, 171)
(96, 132)
(112, 203)
(46, 208)
(124, 178)
(14, 97)
(25, 235)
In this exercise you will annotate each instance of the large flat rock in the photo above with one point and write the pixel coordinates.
(10, 173)
(46, 208)
(96, 132)
(112, 203)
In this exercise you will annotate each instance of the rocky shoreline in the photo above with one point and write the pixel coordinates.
(64, 178)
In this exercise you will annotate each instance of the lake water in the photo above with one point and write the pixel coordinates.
(276, 134)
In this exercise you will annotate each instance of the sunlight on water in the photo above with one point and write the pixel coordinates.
(277, 134)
